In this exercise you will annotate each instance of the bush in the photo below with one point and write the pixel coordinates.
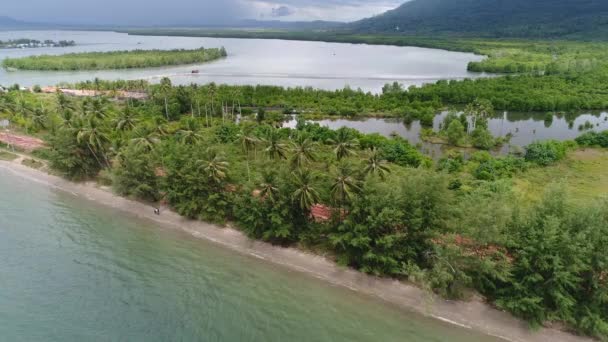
(455, 132)
(546, 152)
(593, 139)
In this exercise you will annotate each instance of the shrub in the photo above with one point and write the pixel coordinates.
(546, 152)
(593, 139)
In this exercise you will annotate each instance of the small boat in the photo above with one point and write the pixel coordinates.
(195, 71)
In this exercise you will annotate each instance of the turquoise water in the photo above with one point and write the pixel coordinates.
(74, 271)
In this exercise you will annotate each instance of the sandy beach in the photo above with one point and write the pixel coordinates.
(474, 315)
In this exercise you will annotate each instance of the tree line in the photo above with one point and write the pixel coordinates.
(114, 59)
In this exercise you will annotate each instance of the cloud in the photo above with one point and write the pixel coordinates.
(334, 10)
(282, 11)
(189, 12)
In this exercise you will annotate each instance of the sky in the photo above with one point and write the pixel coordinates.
(190, 12)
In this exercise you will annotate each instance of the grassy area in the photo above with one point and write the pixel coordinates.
(115, 59)
(7, 156)
(583, 173)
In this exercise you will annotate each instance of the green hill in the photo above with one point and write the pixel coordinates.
(581, 19)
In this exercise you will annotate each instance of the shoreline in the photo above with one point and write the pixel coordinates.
(474, 315)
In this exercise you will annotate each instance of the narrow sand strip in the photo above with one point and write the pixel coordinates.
(474, 315)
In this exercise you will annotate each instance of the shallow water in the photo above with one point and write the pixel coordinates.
(251, 61)
(525, 128)
(74, 271)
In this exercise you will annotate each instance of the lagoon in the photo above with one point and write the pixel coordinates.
(252, 61)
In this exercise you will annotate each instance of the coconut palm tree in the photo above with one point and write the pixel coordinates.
(161, 126)
(215, 167)
(302, 152)
(248, 143)
(376, 165)
(145, 138)
(92, 134)
(268, 188)
(344, 144)
(126, 120)
(189, 134)
(165, 89)
(275, 149)
(67, 119)
(63, 102)
(305, 195)
(99, 108)
(39, 118)
(345, 186)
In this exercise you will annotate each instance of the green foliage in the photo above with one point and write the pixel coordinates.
(557, 271)
(456, 132)
(391, 224)
(114, 60)
(482, 138)
(593, 139)
(195, 183)
(134, 175)
(546, 153)
(73, 158)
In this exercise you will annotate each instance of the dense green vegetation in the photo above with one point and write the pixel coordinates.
(31, 43)
(115, 59)
(493, 18)
(546, 75)
(453, 226)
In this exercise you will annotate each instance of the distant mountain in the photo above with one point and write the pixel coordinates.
(8, 23)
(287, 25)
(494, 18)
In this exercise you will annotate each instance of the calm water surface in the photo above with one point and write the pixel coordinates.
(251, 61)
(74, 271)
(525, 128)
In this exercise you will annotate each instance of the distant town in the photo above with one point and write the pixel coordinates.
(32, 43)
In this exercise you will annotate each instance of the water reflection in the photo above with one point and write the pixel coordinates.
(524, 128)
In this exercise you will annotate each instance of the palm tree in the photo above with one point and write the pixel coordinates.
(274, 147)
(189, 134)
(126, 121)
(67, 119)
(302, 152)
(95, 138)
(268, 188)
(165, 89)
(215, 167)
(145, 138)
(344, 144)
(375, 164)
(248, 143)
(39, 118)
(63, 102)
(345, 186)
(161, 127)
(99, 108)
(305, 195)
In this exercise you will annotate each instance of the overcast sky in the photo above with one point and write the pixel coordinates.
(167, 12)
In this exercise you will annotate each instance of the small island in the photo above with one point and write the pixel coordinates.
(115, 60)
(33, 43)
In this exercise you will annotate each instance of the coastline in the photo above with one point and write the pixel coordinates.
(474, 315)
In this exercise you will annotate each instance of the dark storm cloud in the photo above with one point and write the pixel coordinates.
(188, 12)
(125, 11)
(282, 11)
